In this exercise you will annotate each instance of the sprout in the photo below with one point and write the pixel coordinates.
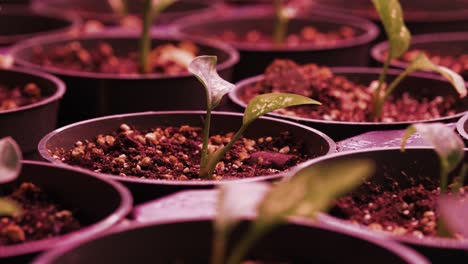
(204, 68)
(10, 167)
(399, 38)
(308, 192)
(283, 14)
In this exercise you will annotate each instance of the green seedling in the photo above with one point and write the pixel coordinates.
(308, 192)
(204, 68)
(283, 14)
(10, 167)
(399, 38)
(151, 10)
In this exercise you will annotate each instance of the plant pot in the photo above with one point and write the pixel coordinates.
(423, 85)
(408, 169)
(99, 204)
(462, 128)
(316, 143)
(19, 22)
(420, 16)
(102, 12)
(442, 44)
(98, 94)
(291, 242)
(255, 58)
(29, 123)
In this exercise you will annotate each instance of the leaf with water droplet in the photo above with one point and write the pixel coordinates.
(10, 157)
(204, 68)
(265, 103)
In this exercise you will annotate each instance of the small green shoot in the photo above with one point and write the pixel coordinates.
(10, 167)
(310, 191)
(204, 68)
(447, 144)
(283, 14)
(399, 38)
(152, 9)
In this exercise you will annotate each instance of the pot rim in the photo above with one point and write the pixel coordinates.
(23, 10)
(109, 17)
(403, 252)
(60, 89)
(371, 31)
(461, 127)
(43, 150)
(233, 96)
(434, 242)
(126, 201)
(378, 49)
(115, 34)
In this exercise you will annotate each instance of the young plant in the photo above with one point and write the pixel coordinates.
(399, 38)
(151, 10)
(283, 14)
(204, 68)
(10, 167)
(308, 192)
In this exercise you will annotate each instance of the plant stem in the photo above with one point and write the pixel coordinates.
(207, 171)
(281, 23)
(256, 231)
(219, 247)
(443, 172)
(145, 40)
(206, 137)
(460, 179)
(377, 107)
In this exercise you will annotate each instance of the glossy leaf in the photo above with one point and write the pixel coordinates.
(454, 213)
(398, 35)
(423, 63)
(10, 157)
(204, 68)
(265, 103)
(446, 142)
(9, 207)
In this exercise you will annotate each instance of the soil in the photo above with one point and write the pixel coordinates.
(41, 217)
(308, 35)
(17, 96)
(167, 59)
(173, 153)
(400, 211)
(342, 99)
(457, 62)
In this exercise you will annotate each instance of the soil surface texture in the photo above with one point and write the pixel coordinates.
(14, 97)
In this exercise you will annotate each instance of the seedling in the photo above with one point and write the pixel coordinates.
(308, 192)
(10, 167)
(399, 38)
(283, 14)
(204, 68)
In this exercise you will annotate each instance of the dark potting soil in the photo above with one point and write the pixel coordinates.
(456, 62)
(400, 211)
(168, 59)
(17, 96)
(173, 153)
(307, 36)
(342, 99)
(41, 217)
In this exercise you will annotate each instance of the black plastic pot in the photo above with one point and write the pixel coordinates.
(462, 127)
(420, 16)
(29, 123)
(190, 242)
(405, 167)
(99, 204)
(255, 58)
(19, 22)
(101, 10)
(318, 144)
(421, 85)
(454, 43)
(93, 94)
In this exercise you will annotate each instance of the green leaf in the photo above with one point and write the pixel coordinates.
(446, 142)
(423, 63)
(9, 207)
(398, 35)
(161, 5)
(454, 213)
(10, 157)
(204, 68)
(265, 103)
(313, 189)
